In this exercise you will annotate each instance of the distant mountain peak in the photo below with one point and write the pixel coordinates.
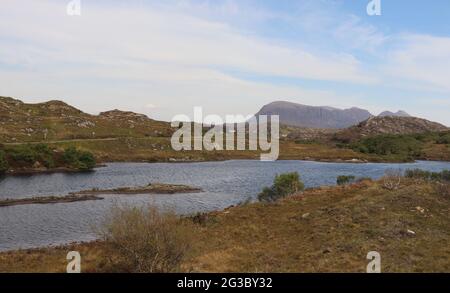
(399, 113)
(314, 116)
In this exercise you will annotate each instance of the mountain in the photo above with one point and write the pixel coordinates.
(56, 120)
(397, 114)
(389, 125)
(314, 117)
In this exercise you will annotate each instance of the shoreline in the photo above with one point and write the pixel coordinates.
(314, 212)
(62, 170)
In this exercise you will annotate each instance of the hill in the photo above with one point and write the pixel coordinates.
(396, 114)
(314, 117)
(56, 120)
(389, 125)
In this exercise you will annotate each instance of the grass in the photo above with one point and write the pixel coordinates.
(329, 229)
(158, 149)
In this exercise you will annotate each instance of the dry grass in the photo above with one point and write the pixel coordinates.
(321, 230)
(145, 240)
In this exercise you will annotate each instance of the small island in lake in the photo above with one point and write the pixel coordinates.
(152, 188)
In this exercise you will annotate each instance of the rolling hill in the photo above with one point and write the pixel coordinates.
(56, 120)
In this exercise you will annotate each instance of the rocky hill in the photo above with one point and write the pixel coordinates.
(389, 125)
(314, 117)
(399, 113)
(56, 120)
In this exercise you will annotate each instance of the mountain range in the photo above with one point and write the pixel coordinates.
(299, 115)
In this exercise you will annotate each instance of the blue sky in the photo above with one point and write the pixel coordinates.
(162, 58)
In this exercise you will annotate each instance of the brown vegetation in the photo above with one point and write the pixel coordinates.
(145, 240)
(329, 229)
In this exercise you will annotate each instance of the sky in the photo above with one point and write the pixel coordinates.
(162, 58)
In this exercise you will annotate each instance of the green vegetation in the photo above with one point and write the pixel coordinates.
(327, 229)
(389, 145)
(404, 147)
(30, 157)
(3, 162)
(78, 159)
(344, 179)
(146, 240)
(427, 175)
(29, 154)
(307, 141)
(283, 185)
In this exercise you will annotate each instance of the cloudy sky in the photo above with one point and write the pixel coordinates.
(162, 58)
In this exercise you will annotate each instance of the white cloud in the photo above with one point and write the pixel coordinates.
(420, 61)
(112, 55)
(137, 54)
(112, 34)
(359, 35)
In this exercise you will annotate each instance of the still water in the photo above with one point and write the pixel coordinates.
(224, 184)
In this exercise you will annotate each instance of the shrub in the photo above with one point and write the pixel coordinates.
(388, 144)
(29, 154)
(78, 159)
(23, 154)
(417, 174)
(145, 240)
(344, 179)
(426, 175)
(283, 185)
(444, 139)
(3, 162)
(86, 161)
(44, 154)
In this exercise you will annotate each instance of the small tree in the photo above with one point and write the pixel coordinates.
(283, 185)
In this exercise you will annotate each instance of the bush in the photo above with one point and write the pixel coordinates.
(23, 154)
(427, 175)
(78, 159)
(344, 179)
(3, 162)
(444, 139)
(44, 154)
(29, 154)
(417, 174)
(388, 144)
(146, 240)
(283, 185)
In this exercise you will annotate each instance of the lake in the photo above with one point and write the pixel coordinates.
(224, 184)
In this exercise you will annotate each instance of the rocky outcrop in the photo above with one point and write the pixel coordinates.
(389, 125)
(399, 113)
